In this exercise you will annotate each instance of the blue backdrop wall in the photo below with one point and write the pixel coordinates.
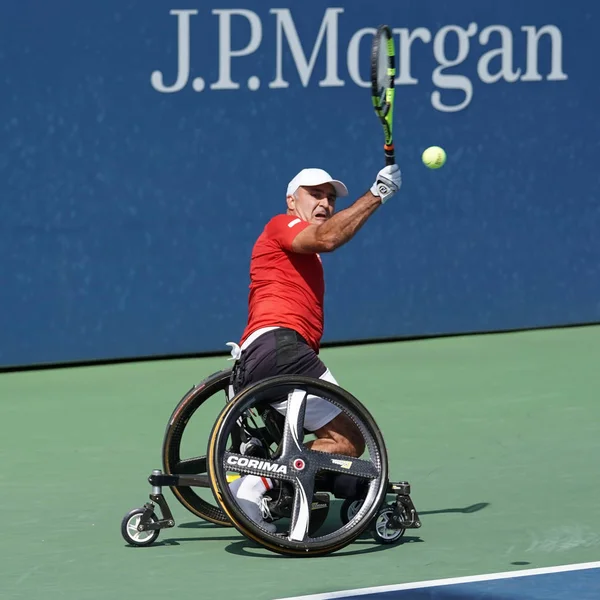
(144, 144)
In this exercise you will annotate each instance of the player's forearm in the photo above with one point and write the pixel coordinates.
(342, 227)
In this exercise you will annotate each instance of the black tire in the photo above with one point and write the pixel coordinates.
(349, 508)
(129, 529)
(171, 450)
(374, 469)
(381, 533)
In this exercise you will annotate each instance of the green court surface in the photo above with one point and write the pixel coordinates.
(499, 436)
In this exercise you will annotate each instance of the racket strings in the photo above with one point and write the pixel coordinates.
(383, 70)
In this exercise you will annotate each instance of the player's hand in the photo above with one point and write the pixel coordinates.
(388, 182)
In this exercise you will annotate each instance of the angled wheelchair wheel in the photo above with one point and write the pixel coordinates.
(175, 462)
(349, 508)
(299, 468)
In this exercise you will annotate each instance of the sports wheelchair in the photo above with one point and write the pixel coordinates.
(250, 437)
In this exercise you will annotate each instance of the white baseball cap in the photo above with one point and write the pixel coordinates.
(316, 177)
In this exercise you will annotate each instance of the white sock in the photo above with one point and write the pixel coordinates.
(248, 491)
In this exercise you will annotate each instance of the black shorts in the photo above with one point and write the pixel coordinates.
(277, 352)
(285, 352)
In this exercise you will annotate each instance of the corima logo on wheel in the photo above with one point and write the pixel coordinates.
(252, 463)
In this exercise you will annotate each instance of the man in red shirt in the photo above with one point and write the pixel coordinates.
(285, 307)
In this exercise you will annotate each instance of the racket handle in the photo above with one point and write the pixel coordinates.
(390, 157)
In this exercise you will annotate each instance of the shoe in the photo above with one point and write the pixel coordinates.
(249, 491)
(253, 447)
(279, 500)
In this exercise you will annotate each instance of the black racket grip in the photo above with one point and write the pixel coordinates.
(390, 156)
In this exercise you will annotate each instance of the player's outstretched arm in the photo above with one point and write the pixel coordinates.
(343, 226)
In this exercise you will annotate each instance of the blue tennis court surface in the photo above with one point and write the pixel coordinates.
(567, 582)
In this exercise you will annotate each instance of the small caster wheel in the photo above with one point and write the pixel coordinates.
(129, 528)
(349, 508)
(382, 530)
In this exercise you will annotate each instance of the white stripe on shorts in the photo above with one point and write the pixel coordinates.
(319, 411)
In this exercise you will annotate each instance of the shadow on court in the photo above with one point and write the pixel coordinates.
(467, 510)
(174, 541)
(244, 547)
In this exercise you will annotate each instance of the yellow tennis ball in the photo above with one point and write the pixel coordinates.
(434, 157)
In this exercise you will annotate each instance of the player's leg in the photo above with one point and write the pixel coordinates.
(284, 352)
(339, 436)
(336, 433)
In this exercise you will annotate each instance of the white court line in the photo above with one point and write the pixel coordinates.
(451, 581)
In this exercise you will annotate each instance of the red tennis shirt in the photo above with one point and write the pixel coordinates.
(286, 288)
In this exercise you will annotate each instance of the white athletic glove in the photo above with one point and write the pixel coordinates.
(388, 182)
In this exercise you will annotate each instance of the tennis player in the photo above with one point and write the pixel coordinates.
(285, 308)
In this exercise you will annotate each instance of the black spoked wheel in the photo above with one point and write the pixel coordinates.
(299, 468)
(174, 460)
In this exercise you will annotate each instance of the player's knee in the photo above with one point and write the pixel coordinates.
(356, 445)
(348, 438)
(349, 447)
(355, 439)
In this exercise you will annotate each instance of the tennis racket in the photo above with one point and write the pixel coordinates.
(383, 72)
